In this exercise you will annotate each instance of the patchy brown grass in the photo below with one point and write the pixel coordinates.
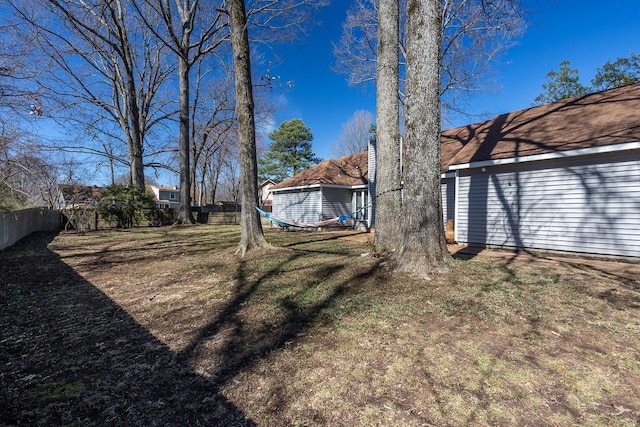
(168, 327)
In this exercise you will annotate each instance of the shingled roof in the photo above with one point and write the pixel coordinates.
(76, 193)
(594, 120)
(348, 171)
(603, 118)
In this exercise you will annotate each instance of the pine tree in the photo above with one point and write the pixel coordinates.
(621, 72)
(560, 85)
(290, 152)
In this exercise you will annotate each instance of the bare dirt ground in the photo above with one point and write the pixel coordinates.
(168, 327)
(627, 269)
(70, 355)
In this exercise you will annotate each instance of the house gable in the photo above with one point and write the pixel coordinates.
(166, 196)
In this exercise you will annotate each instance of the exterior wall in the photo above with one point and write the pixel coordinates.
(448, 191)
(18, 224)
(589, 204)
(336, 202)
(164, 196)
(372, 182)
(298, 206)
(265, 197)
(317, 205)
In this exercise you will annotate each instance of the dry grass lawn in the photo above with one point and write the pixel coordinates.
(167, 326)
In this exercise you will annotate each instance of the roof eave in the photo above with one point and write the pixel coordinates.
(549, 156)
(318, 186)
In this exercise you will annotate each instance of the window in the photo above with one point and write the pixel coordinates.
(172, 196)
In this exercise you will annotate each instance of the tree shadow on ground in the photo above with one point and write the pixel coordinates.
(236, 342)
(71, 355)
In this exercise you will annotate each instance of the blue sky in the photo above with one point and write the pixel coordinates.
(585, 32)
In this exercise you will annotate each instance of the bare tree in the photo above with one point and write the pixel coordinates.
(280, 20)
(212, 122)
(356, 50)
(217, 164)
(423, 249)
(355, 134)
(252, 236)
(24, 171)
(19, 94)
(445, 47)
(229, 176)
(210, 163)
(102, 70)
(475, 34)
(13, 195)
(192, 30)
(387, 178)
(28, 176)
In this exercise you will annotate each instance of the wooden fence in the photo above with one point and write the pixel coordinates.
(15, 225)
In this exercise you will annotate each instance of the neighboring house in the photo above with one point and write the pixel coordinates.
(265, 198)
(166, 197)
(327, 190)
(76, 195)
(563, 176)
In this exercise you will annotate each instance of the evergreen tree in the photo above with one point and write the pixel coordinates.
(289, 153)
(621, 72)
(565, 83)
(561, 85)
(126, 206)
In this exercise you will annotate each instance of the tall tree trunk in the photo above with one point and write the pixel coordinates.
(136, 166)
(423, 249)
(184, 209)
(252, 236)
(387, 205)
(136, 127)
(133, 127)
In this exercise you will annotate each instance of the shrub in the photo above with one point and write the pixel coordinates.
(126, 206)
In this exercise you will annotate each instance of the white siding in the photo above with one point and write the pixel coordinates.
(589, 204)
(298, 206)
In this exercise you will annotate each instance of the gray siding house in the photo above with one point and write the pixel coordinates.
(558, 177)
(166, 197)
(563, 176)
(327, 190)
